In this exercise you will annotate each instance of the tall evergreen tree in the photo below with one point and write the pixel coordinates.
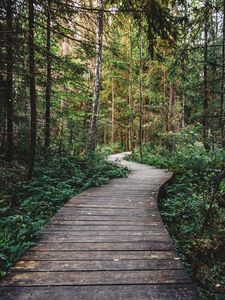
(33, 107)
(48, 78)
(9, 58)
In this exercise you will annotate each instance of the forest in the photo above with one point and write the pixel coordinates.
(80, 79)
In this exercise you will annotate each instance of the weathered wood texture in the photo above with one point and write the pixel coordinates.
(107, 243)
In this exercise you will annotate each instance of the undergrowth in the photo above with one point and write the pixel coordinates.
(196, 224)
(26, 207)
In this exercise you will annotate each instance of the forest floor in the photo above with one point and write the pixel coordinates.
(108, 242)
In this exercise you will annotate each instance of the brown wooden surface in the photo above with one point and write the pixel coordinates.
(107, 243)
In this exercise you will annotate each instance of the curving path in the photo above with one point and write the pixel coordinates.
(108, 243)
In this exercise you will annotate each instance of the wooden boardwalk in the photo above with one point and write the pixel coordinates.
(108, 243)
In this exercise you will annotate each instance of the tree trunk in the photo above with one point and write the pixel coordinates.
(165, 92)
(184, 64)
(214, 40)
(172, 101)
(127, 133)
(9, 98)
(87, 122)
(98, 76)
(33, 110)
(113, 111)
(132, 142)
(140, 89)
(173, 107)
(206, 94)
(4, 129)
(222, 82)
(48, 79)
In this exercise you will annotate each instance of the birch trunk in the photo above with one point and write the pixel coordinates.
(98, 76)
(131, 102)
(113, 112)
(140, 89)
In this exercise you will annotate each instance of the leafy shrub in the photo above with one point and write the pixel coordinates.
(111, 148)
(26, 207)
(187, 203)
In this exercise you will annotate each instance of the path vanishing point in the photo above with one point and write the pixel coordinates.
(107, 243)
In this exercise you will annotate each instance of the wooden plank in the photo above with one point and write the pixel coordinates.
(116, 246)
(119, 292)
(96, 278)
(109, 211)
(100, 222)
(121, 185)
(127, 219)
(87, 206)
(127, 193)
(118, 198)
(108, 201)
(83, 216)
(65, 222)
(116, 212)
(103, 233)
(104, 239)
(91, 255)
(101, 227)
(103, 265)
(148, 208)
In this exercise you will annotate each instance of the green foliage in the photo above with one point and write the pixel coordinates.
(187, 203)
(26, 207)
(111, 148)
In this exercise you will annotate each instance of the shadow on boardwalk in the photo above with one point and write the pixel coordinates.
(108, 243)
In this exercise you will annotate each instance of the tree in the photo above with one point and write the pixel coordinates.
(140, 86)
(9, 58)
(113, 111)
(222, 81)
(33, 108)
(98, 75)
(48, 78)
(132, 117)
(206, 92)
